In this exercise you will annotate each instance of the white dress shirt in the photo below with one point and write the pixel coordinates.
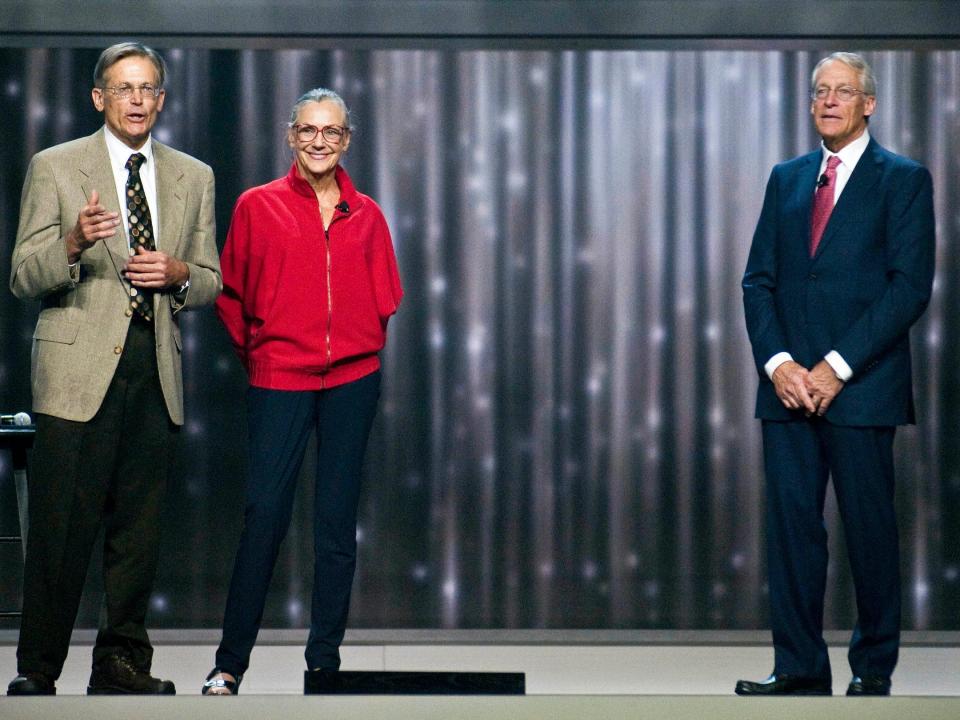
(119, 154)
(849, 155)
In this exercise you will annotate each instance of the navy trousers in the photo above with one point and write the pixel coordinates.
(799, 457)
(280, 424)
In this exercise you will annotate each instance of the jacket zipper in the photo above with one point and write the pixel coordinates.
(326, 235)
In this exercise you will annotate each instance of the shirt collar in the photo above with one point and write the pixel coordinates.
(120, 152)
(851, 152)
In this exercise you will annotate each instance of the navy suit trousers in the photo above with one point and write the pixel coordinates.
(799, 458)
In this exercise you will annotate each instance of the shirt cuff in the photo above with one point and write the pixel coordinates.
(776, 361)
(839, 365)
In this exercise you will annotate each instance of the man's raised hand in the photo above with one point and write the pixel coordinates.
(94, 223)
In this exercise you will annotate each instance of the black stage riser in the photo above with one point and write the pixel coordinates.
(412, 683)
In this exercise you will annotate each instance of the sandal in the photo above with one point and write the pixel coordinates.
(217, 684)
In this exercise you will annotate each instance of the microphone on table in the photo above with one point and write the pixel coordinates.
(21, 419)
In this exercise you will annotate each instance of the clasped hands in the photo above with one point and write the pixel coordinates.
(812, 390)
(146, 269)
(155, 270)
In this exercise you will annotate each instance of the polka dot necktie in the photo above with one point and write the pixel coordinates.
(141, 232)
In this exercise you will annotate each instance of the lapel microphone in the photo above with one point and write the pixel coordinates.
(823, 181)
(342, 206)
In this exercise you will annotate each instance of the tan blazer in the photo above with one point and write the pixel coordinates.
(83, 320)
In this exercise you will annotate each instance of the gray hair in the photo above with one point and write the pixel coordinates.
(116, 53)
(852, 60)
(318, 95)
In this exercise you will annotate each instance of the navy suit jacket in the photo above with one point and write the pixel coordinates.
(869, 281)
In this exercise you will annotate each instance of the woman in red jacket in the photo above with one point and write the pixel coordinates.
(310, 280)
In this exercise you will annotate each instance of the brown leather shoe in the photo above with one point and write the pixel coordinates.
(785, 685)
(117, 675)
(32, 683)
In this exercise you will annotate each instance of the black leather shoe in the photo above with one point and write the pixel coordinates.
(320, 681)
(32, 684)
(117, 675)
(785, 685)
(869, 685)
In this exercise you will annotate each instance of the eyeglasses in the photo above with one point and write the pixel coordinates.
(844, 93)
(125, 91)
(333, 134)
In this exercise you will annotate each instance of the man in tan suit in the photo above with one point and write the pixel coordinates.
(116, 238)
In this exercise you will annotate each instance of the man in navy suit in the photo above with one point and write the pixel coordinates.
(840, 268)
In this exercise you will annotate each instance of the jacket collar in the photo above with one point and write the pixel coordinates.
(97, 175)
(348, 193)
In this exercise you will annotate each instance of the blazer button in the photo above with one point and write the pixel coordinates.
(117, 350)
(128, 312)
(811, 276)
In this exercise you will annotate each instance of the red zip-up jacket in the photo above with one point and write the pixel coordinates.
(307, 309)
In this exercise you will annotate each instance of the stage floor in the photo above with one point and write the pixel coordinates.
(559, 662)
(531, 707)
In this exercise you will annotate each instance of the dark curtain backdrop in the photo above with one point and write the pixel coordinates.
(565, 436)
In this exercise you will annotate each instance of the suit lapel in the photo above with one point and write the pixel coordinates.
(96, 174)
(803, 189)
(855, 193)
(171, 198)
